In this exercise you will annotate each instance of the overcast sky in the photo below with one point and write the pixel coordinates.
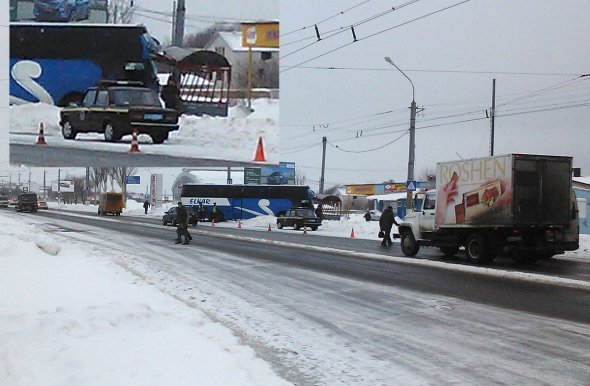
(451, 57)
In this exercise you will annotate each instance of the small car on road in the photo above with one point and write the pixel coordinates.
(42, 204)
(169, 216)
(118, 108)
(299, 218)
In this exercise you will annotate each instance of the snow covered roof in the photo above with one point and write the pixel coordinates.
(234, 41)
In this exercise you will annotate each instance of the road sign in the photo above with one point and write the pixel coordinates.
(132, 180)
(411, 185)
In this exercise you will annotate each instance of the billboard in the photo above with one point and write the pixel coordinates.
(284, 174)
(64, 186)
(260, 35)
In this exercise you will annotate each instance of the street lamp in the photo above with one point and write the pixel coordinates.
(412, 135)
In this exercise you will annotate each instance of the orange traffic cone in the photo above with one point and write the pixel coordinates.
(304, 230)
(259, 155)
(213, 223)
(269, 227)
(352, 233)
(239, 225)
(41, 138)
(134, 143)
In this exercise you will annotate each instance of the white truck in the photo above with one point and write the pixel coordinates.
(519, 205)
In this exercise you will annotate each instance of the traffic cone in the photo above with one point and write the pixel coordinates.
(352, 233)
(134, 143)
(213, 223)
(304, 230)
(239, 225)
(269, 227)
(259, 155)
(41, 138)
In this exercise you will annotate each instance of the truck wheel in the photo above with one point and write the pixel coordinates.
(477, 249)
(449, 251)
(279, 225)
(408, 243)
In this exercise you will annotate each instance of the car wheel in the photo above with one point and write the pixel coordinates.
(279, 225)
(68, 131)
(296, 226)
(160, 137)
(110, 133)
(314, 228)
(164, 222)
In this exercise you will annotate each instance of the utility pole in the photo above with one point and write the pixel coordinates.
(324, 140)
(492, 117)
(179, 24)
(87, 185)
(411, 155)
(44, 185)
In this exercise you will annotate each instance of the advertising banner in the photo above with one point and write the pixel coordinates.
(260, 35)
(156, 190)
(64, 186)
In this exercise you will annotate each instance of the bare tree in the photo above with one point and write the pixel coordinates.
(200, 39)
(99, 179)
(120, 11)
(118, 174)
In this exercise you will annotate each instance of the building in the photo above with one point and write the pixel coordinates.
(581, 186)
(265, 60)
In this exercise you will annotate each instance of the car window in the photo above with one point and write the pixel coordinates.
(135, 97)
(305, 213)
(89, 98)
(102, 99)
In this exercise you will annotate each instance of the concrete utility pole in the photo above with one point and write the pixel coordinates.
(492, 117)
(179, 13)
(411, 156)
(324, 140)
(44, 185)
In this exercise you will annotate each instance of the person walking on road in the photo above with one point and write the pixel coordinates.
(146, 206)
(214, 213)
(385, 224)
(201, 212)
(182, 228)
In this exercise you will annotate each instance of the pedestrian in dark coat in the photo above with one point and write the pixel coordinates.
(182, 227)
(201, 212)
(146, 205)
(171, 94)
(385, 224)
(367, 215)
(319, 211)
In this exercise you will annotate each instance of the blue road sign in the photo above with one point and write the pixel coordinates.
(411, 185)
(132, 180)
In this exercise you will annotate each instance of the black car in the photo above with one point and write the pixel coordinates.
(117, 109)
(299, 218)
(27, 202)
(169, 216)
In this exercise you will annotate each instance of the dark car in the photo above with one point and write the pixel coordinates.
(299, 218)
(277, 178)
(27, 202)
(169, 216)
(116, 109)
(61, 10)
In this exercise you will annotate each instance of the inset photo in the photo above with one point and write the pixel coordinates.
(120, 82)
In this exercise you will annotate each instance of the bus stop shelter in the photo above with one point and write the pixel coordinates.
(202, 76)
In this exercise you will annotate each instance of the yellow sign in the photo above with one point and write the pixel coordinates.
(260, 35)
(394, 188)
(360, 189)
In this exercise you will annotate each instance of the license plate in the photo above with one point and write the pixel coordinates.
(153, 117)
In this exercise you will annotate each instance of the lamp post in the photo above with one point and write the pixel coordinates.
(412, 135)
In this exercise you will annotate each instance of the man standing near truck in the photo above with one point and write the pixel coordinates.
(182, 228)
(385, 224)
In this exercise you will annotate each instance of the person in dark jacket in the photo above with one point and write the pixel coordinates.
(171, 94)
(201, 212)
(385, 224)
(182, 228)
(319, 211)
(367, 215)
(146, 206)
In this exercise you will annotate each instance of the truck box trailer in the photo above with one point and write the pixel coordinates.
(520, 205)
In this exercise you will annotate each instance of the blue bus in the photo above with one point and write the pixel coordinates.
(56, 63)
(240, 202)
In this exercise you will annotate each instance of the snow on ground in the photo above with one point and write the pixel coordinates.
(70, 316)
(232, 138)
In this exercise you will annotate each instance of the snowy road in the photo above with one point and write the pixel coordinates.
(327, 319)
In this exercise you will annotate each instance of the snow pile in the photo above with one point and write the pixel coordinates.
(78, 318)
(231, 138)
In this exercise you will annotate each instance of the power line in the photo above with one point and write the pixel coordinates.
(377, 33)
(368, 150)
